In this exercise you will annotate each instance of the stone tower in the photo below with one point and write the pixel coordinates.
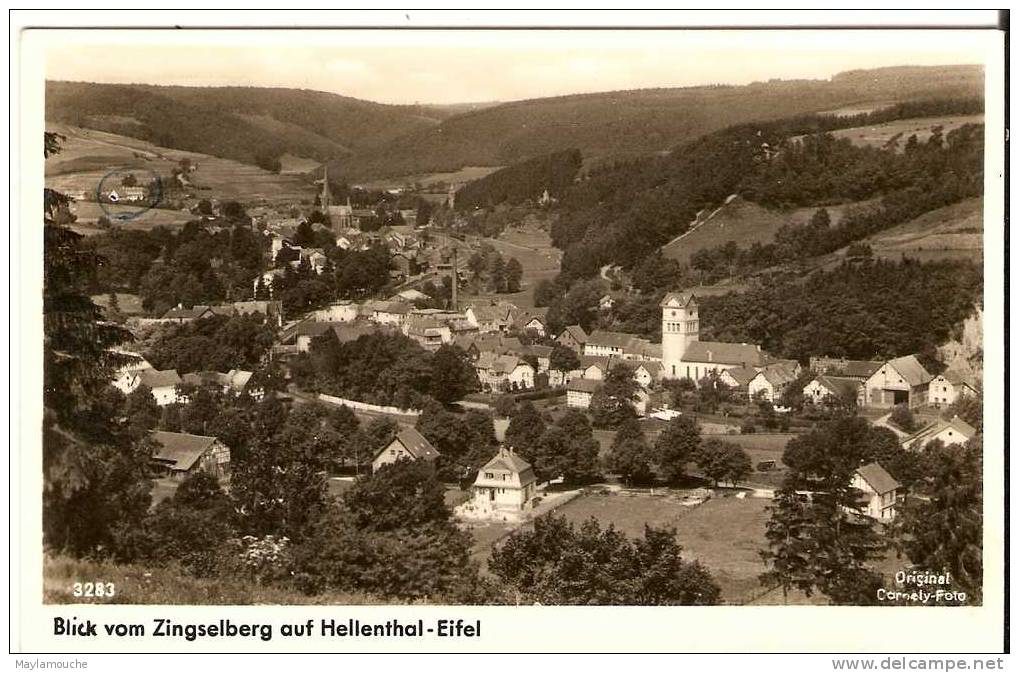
(680, 327)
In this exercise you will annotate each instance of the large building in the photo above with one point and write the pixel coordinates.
(684, 355)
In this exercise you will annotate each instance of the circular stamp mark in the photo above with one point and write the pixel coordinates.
(125, 194)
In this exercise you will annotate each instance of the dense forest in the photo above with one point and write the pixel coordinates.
(521, 182)
(861, 309)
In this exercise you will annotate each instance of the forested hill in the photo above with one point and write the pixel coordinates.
(240, 123)
(621, 214)
(527, 180)
(622, 124)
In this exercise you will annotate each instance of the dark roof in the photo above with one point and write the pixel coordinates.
(583, 385)
(746, 355)
(154, 378)
(956, 377)
(507, 460)
(577, 332)
(179, 449)
(619, 340)
(415, 443)
(541, 351)
(743, 375)
(677, 298)
(878, 478)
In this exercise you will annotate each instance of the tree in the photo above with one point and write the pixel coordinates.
(545, 292)
(789, 546)
(563, 359)
(453, 375)
(677, 444)
(903, 418)
(95, 484)
(567, 449)
(513, 274)
(723, 461)
(630, 455)
(969, 408)
(612, 403)
(525, 429)
(557, 563)
(504, 405)
(944, 532)
(404, 494)
(305, 235)
(205, 207)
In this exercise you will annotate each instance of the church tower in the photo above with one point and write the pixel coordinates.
(680, 327)
(326, 198)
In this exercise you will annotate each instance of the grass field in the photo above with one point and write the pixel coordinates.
(465, 174)
(879, 134)
(745, 223)
(89, 212)
(955, 231)
(87, 155)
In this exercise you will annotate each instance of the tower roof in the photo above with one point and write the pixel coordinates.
(678, 300)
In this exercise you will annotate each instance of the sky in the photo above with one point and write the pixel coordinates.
(445, 67)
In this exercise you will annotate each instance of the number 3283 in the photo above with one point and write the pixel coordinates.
(93, 589)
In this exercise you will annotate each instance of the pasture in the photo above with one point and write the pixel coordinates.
(879, 135)
(745, 223)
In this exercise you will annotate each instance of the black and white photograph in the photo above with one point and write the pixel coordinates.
(527, 318)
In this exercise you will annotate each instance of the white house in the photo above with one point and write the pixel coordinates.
(341, 311)
(949, 386)
(898, 381)
(648, 373)
(163, 384)
(492, 317)
(948, 432)
(738, 379)
(579, 392)
(880, 491)
(504, 488)
(504, 372)
(390, 312)
(408, 445)
(770, 382)
(826, 390)
(602, 343)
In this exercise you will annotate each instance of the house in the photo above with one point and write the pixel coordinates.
(899, 381)
(533, 322)
(949, 386)
(163, 384)
(948, 432)
(272, 310)
(770, 382)
(595, 368)
(430, 332)
(826, 390)
(341, 311)
(504, 372)
(179, 454)
(403, 263)
(505, 485)
(492, 317)
(344, 331)
(234, 381)
(879, 491)
(580, 391)
(181, 315)
(860, 370)
(411, 295)
(408, 445)
(738, 378)
(315, 258)
(389, 312)
(544, 356)
(648, 373)
(603, 342)
(573, 337)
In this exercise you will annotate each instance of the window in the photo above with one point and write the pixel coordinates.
(489, 475)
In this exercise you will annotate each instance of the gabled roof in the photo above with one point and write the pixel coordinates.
(878, 478)
(507, 460)
(575, 331)
(603, 362)
(742, 375)
(541, 351)
(965, 430)
(911, 370)
(746, 355)
(608, 339)
(415, 444)
(583, 385)
(179, 449)
(678, 299)
(264, 307)
(840, 386)
(396, 307)
(154, 378)
(957, 377)
(186, 313)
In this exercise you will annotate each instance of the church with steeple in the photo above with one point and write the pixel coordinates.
(684, 355)
(341, 216)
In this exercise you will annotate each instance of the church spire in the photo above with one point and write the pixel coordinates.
(326, 199)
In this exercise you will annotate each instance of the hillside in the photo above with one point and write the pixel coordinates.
(743, 222)
(87, 155)
(238, 123)
(622, 124)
